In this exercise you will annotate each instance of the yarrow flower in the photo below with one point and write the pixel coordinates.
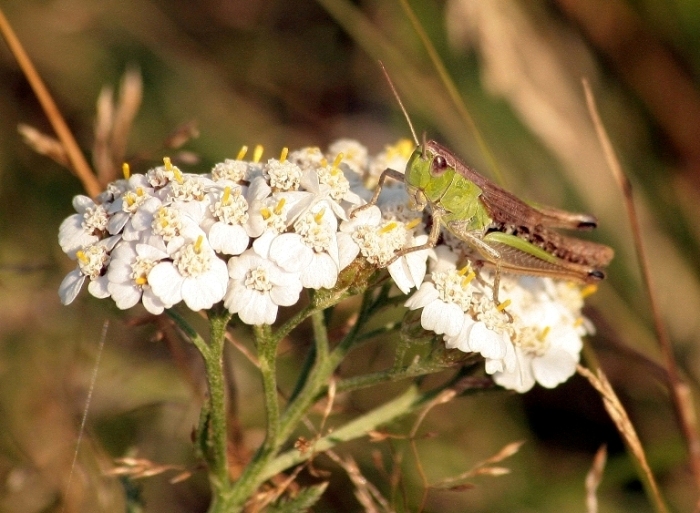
(252, 234)
(533, 336)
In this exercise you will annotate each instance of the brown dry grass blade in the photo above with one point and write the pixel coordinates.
(680, 393)
(76, 158)
(624, 426)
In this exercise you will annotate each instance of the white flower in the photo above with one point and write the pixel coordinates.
(282, 175)
(230, 171)
(379, 241)
(138, 195)
(547, 339)
(273, 212)
(308, 158)
(486, 330)
(312, 250)
(394, 156)
(258, 287)
(92, 262)
(444, 300)
(195, 274)
(84, 228)
(128, 273)
(229, 210)
(354, 154)
(333, 177)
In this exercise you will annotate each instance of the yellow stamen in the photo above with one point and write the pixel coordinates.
(324, 162)
(198, 244)
(388, 227)
(336, 163)
(227, 195)
(163, 220)
(168, 164)
(503, 305)
(80, 255)
(280, 206)
(242, 152)
(283, 154)
(257, 154)
(130, 200)
(544, 333)
(126, 171)
(578, 322)
(589, 290)
(265, 213)
(468, 279)
(319, 216)
(141, 280)
(139, 191)
(413, 223)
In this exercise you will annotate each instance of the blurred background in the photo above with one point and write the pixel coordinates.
(303, 73)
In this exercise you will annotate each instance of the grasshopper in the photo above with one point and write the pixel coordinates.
(503, 231)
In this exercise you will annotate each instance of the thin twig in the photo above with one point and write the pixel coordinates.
(679, 390)
(442, 398)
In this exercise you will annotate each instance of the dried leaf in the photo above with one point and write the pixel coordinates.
(44, 144)
(593, 479)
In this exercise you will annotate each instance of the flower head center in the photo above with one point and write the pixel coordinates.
(191, 261)
(232, 208)
(92, 260)
(95, 220)
(258, 279)
(453, 287)
(167, 223)
(140, 268)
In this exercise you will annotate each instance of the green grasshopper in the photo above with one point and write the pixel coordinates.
(503, 231)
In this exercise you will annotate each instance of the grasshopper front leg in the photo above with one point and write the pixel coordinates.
(430, 243)
(387, 173)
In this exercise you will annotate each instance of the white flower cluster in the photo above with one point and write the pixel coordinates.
(249, 233)
(538, 338)
(254, 234)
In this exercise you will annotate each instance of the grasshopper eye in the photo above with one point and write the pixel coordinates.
(439, 165)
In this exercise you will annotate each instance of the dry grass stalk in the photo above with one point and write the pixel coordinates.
(366, 493)
(78, 164)
(678, 389)
(483, 468)
(624, 426)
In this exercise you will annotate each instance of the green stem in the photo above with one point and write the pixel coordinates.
(266, 343)
(267, 355)
(214, 367)
(213, 423)
(389, 375)
(407, 402)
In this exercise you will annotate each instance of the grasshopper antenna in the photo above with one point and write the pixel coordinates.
(398, 99)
